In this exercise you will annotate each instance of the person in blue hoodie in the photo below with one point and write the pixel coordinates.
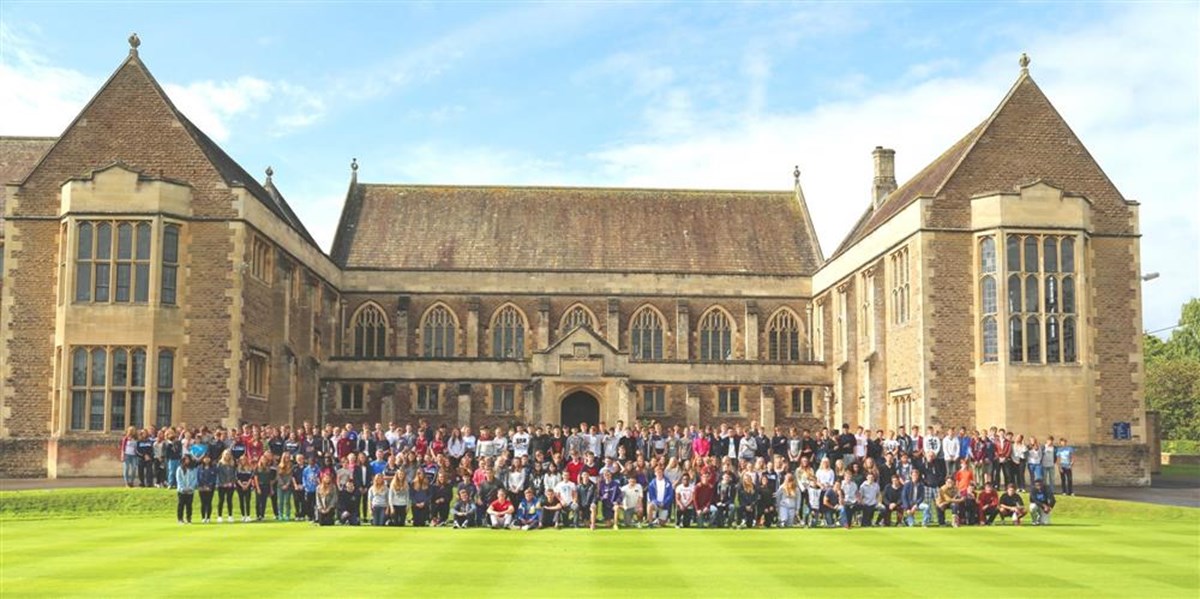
(310, 478)
(185, 484)
(529, 514)
(660, 496)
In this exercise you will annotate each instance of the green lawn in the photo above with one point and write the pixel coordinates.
(1095, 548)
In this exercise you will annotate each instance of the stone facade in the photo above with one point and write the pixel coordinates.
(473, 305)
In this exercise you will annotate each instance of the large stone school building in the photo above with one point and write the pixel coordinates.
(149, 279)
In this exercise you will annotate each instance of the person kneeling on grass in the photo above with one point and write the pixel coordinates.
(326, 500)
(1041, 503)
(185, 484)
(529, 515)
(660, 496)
(464, 510)
(1011, 505)
(348, 499)
(500, 511)
(630, 509)
(552, 510)
(989, 504)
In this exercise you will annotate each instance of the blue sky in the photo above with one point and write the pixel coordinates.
(664, 95)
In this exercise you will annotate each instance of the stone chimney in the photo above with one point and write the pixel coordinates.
(885, 175)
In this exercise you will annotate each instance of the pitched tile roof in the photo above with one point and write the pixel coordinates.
(432, 227)
(229, 170)
(1023, 140)
(18, 155)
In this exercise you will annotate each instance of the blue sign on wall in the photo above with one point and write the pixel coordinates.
(1122, 431)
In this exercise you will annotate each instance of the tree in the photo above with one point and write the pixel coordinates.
(1173, 376)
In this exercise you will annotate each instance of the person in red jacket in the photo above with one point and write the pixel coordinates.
(704, 496)
(989, 504)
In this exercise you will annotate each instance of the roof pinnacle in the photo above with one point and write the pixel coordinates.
(270, 173)
(134, 42)
(796, 174)
(1024, 62)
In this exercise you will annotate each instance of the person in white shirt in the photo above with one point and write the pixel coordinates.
(630, 509)
(520, 442)
(685, 502)
(950, 449)
(565, 489)
(860, 445)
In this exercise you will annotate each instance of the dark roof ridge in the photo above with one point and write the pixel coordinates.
(783, 192)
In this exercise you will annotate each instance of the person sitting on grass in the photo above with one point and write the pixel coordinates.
(1011, 505)
(989, 504)
(629, 511)
(1041, 503)
(892, 509)
(500, 511)
(529, 514)
(464, 510)
(660, 497)
(552, 510)
(348, 499)
(968, 509)
(948, 499)
(325, 502)
(912, 499)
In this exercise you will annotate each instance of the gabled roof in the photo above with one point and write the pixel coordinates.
(229, 170)
(924, 184)
(1023, 140)
(18, 155)
(574, 229)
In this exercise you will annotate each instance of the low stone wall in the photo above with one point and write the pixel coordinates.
(1180, 459)
(86, 457)
(1120, 465)
(23, 458)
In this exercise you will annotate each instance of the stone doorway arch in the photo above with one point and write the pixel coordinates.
(579, 407)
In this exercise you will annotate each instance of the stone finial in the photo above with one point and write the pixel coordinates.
(796, 174)
(270, 173)
(354, 164)
(353, 170)
(1024, 62)
(134, 42)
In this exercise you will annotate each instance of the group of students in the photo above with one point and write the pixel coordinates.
(602, 476)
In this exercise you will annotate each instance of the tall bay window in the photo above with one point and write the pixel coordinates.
(113, 259)
(1042, 303)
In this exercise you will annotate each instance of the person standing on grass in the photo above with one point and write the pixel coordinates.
(1065, 454)
(500, 511)
(747, 499)
(1048, 456)
(1011, 505)
(441, 495)
(1033, 458)
(245, 484)
(310, 478)
(172, 453)
(264, 487)
(586, 494)
(299, 493)
(284, 485)
(567, 492)
(129, 457)
(421, 497)
(398, 499)
(145, 463)
(1020, 450)
(377, 497)
(226, 481)
(185, 485)
(1041, 503)
(206, 484)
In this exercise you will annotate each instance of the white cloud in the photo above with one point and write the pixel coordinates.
(1126, 86)
(37, 98)
(215, 105)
